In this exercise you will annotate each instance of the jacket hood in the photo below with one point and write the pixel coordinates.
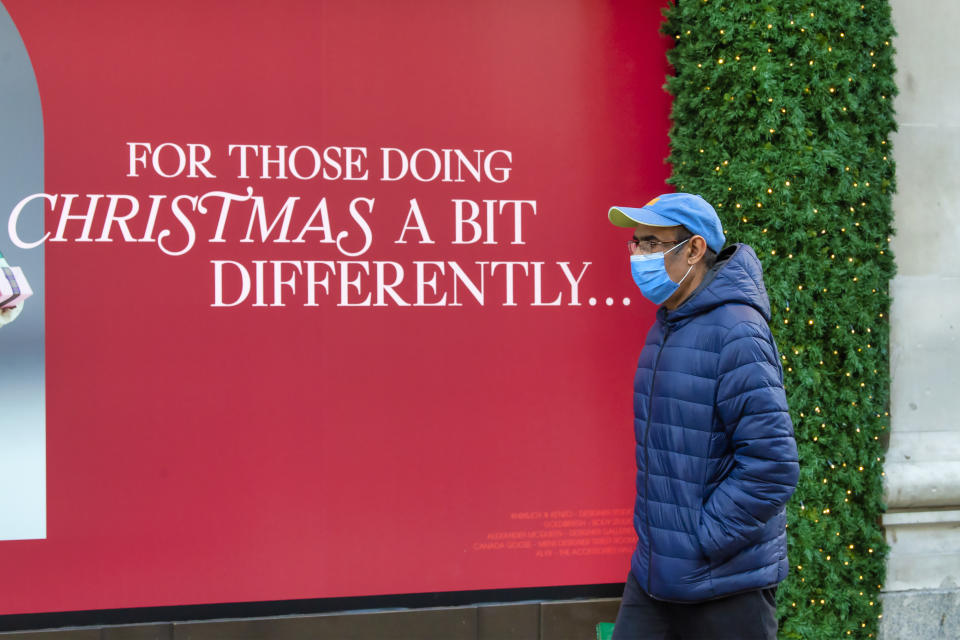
(737, 277)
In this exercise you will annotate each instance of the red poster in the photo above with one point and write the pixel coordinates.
(332, 306)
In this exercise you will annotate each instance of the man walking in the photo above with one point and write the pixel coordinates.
(716, 457)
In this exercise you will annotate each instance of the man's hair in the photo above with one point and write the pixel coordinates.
(709, 258)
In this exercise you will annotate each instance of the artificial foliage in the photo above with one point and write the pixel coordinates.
(782, 114)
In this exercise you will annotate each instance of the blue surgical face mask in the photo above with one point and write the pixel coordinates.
(650, 274)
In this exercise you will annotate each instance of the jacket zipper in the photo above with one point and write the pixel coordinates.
(646, 461)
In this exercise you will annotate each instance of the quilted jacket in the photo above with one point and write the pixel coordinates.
(716, 457)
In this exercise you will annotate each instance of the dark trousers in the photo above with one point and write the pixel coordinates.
(745, 616)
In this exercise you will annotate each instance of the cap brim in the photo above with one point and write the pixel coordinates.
(632, 216)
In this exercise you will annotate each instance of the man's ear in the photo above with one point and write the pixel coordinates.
(698, 249)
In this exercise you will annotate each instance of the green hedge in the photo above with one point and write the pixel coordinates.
(781, 118)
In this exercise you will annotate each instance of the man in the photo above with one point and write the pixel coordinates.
(716, 457)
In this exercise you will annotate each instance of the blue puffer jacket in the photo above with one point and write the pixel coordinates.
(716, 457)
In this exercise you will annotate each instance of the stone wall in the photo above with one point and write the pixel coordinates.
(923, 461)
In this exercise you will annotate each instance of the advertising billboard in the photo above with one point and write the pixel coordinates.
(326, 302)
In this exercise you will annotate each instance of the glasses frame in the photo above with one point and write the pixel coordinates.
(637, 247)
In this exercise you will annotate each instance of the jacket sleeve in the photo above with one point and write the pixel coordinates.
(752, 406)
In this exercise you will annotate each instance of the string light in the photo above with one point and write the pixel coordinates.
(843, 363)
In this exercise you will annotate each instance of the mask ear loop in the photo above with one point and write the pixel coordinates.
(676, 246)
(688, 270)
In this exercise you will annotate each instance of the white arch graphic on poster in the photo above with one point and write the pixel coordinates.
(23, 503)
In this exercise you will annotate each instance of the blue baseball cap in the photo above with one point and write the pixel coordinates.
(672, 209)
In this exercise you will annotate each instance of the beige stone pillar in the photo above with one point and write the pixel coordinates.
(922, 599)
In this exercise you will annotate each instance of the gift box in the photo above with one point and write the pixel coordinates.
(14, 287)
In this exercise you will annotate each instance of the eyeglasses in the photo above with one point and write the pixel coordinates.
(649, 246)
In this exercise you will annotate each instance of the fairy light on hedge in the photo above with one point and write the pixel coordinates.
(816, 256)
